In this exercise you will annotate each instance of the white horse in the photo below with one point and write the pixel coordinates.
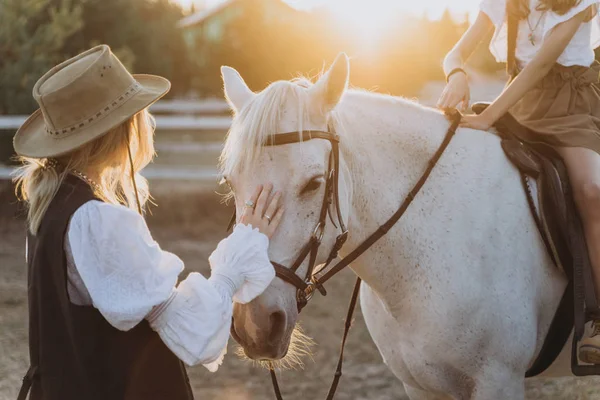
(459, 295)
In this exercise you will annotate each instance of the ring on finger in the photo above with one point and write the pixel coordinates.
(268, 218)
(249, 204)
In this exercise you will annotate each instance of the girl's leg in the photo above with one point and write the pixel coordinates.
(584, 172)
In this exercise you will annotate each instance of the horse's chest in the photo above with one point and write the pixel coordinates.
(418, 353)
(397, 346)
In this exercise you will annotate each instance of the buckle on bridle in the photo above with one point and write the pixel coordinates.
(340, 240)
(303, 296)
(309, 292)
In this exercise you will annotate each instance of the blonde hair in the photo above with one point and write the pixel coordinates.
(37, 183)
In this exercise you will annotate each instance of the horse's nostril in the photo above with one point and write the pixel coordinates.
(277, 320)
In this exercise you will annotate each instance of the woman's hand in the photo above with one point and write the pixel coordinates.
(262, 211)
(480, 122)
(240, 264)
(456, 94)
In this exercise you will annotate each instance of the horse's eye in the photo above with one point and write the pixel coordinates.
(313, 185)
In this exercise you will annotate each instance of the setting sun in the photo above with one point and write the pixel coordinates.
(360, 11)
(368, 20)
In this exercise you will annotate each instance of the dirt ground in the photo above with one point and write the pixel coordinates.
(190, 223)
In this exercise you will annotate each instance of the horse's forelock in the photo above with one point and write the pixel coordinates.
(258, 120)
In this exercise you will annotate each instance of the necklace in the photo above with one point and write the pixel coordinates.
(88, 180)
(532, 30)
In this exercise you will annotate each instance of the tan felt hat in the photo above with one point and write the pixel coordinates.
(82, 99)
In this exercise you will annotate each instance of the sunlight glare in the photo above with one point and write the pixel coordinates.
(368, 19)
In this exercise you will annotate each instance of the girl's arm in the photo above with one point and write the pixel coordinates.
(457, 89)
(553, 46)
(463, 49)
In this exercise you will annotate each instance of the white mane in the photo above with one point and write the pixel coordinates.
(258, 120)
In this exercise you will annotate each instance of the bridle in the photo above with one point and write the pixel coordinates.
(305, 288)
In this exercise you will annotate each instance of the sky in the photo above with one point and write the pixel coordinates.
(418, 7)
(356, 9)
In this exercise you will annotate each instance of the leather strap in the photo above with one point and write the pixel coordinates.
(338, 370)
(311, 248)
(290, 276)
(558, 334)
(347, 326)
(275, 383)
(383, 229)
(295, 137)
(27, 382)
(512, 31)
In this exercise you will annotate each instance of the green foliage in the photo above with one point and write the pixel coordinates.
(35, 35)
(32, 36)
(266, 40)
(144, 32)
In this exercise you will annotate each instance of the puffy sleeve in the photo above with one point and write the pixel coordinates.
(553, 19)
(129, 278)
(194, 323)
(124, 270)
(196, 320)
(496, 11)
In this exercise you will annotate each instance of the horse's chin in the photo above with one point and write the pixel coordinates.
(288, 355)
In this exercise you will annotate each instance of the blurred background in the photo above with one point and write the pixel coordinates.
(396, 47)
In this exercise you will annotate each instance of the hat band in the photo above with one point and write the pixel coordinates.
(131, 90)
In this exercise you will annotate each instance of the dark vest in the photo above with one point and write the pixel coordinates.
(75, 353)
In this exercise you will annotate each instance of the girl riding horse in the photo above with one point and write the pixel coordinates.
(552, 93)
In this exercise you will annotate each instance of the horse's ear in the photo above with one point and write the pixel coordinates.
(329, 89)
(237, 92)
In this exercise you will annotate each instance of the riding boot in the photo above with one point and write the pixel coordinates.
(589, 351)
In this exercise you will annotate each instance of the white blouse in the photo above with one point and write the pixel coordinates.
(114, 264)
(580, 51)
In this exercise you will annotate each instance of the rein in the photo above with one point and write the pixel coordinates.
(305, 288)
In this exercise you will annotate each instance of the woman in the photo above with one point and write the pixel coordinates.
(107, 318)
(552, 94)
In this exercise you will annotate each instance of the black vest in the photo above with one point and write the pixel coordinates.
(75, 353)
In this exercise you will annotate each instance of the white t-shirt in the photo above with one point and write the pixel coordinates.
(580, 51)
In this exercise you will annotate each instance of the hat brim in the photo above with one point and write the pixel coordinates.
(32, 140)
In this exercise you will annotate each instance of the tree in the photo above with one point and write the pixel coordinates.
(33, 34)
(144, 30)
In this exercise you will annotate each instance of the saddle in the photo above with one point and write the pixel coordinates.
(560, 227)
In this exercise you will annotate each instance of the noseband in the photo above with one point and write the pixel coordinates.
(305, 288)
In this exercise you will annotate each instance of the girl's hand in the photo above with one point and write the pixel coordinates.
(262, 211)
(480, 122)
(456, 94)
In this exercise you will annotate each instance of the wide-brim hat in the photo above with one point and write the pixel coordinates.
(81, 99)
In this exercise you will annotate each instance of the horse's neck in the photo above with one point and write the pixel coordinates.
(385, 153)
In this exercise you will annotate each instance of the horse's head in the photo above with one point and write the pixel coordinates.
(265, 326)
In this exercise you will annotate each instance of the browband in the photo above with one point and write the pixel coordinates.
(296, 137)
